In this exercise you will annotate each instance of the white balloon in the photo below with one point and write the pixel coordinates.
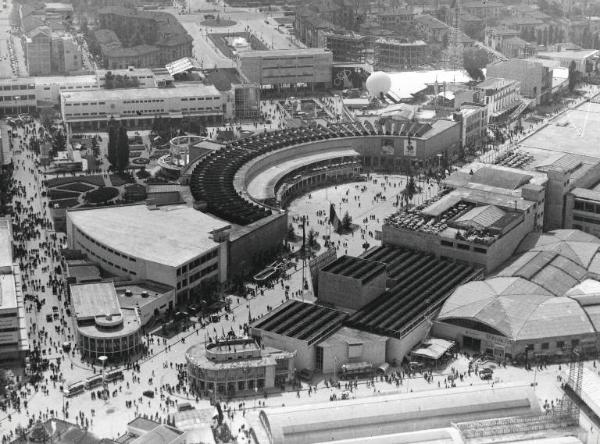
(378, 82)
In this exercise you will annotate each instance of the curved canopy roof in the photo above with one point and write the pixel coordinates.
(365, 417)
(544, 287)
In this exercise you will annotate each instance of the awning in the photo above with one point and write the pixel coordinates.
(433, 348)
(356, 366)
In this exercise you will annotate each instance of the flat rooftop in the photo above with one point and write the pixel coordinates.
(6, 257)
(301, 320)
(170, 235)
(576, 132)
(196, 90)
(568, 54)
(8, 292)
(94, 299)
(284, 52)
(355, 268)
(141, 293)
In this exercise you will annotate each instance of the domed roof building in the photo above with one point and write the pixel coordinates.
(543, 303)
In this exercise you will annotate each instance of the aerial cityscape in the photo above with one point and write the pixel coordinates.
(300, 221)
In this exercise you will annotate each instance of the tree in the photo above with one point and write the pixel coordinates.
(112, 145)
(474, 60)
(572, 75)
(291, 235)
(311, 240)
(122, 149)
(346, 222)
(409, 190)
(109, 80)
(59, 143)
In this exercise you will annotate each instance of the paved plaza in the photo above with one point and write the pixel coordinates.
(108, 418)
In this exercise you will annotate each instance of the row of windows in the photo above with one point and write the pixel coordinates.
(85, 103)
(587, 220)
(200, 274)
(463, 247)
(590, 207)
(17, 87)
(78, 87)
(144, 101)
(110, 250)
(559, 345)
(84, 114)
(14, 98)
(100, 258)
(196, 262)
(184, 99)
(144, 111)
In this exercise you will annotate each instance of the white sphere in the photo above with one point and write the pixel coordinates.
(378, 82)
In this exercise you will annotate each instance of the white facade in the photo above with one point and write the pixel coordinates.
(13, 328)
(150, 248)
(499, 95)
(142, 104)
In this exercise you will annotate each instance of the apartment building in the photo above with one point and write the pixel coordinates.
(308, 66)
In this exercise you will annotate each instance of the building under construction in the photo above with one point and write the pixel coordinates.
(353, 48)
(395, 54)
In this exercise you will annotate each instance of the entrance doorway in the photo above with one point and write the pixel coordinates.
(472, 344)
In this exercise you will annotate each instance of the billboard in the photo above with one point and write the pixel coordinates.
(410, 148)
(387, 147)
(348, 77)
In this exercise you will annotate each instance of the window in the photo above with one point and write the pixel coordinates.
(529, 347)
(447, 243)
(560, 344)
(545, 346)
(574, 342)
(462, 246)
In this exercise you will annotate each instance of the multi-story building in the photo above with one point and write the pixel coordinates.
(38, 51)
(499, 95)
(481, 221)
(66, 55)
(47, 52)
(237, 365)
(433, 30)
(534, 78)
(312, 29)
(17, 95)
(352, 48)
(309, 66)
(13, 328)
(584, 59)
(516, 47)
(495, 36)
(483, 10)
(474, 121)
(137, 107)
(395, 19)
(103, 328)
(399, 55)
(136, 242)
(145, 38)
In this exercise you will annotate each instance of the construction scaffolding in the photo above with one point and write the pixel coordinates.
(454, 50)
(569, 405)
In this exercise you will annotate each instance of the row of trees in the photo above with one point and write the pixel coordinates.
(113, 81)
(118, 147)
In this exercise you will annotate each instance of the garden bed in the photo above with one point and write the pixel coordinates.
(140, 161)
(56, 194)
(93, 180)
(77, 187)
(118, 180)
(101, 195)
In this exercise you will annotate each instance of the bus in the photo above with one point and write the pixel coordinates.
(115, 375)
(93, 381)
(74, 389)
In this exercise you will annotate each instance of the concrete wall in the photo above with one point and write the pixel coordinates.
(305, 354)
(348, 292)
(255, 243)
(335, 354)
(535, 79)
(398, 349)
